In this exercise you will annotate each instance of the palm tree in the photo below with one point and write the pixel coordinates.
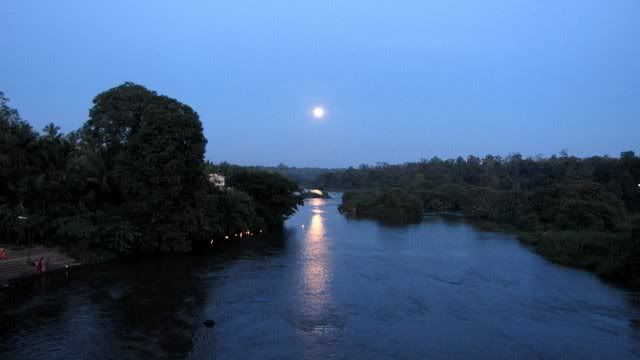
(51, 131)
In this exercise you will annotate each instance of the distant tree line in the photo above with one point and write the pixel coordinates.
(583, 212)
(132, 179)
(304, 176)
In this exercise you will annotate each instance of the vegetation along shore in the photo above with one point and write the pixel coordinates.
(581, 212)
(131, 180)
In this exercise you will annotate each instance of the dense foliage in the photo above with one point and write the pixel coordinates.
(131, 180)
(580, 212)
(391, 206)
(275, 197)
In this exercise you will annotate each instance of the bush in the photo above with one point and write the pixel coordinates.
(605, 253)
(389, 206)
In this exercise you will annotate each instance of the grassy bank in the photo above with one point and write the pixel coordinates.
(613, 256)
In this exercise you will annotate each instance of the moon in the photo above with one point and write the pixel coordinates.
(318, 112)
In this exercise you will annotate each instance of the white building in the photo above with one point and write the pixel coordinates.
(217, 180)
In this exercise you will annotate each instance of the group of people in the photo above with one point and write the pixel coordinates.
(41, 265)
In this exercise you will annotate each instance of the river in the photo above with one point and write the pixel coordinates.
(328, 287)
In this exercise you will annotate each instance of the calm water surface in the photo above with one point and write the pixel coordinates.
(328, 287)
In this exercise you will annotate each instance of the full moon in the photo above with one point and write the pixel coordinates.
(318, 112)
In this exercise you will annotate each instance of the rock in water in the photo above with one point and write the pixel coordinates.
(209, 323)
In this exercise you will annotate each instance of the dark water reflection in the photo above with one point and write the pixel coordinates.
(328, 287)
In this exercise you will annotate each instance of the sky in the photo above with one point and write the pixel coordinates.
(399, 80)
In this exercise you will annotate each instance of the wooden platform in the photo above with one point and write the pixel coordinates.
(16, 267)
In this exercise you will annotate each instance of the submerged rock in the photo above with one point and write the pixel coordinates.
(209, 323)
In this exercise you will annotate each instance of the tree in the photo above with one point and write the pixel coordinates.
(19, 170)
(157, 147)
(51, 132)
(276, 198)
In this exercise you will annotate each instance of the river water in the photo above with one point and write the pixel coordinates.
(328, 287)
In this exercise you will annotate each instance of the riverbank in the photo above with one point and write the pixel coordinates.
(19, 263)
(582, 231)
(606, 254)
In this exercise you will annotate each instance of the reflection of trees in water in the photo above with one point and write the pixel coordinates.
(154, 305)
(32, 318)
(26, 308)
(146, 307)
(160, 301)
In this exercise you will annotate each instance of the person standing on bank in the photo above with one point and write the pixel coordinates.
(39, 265)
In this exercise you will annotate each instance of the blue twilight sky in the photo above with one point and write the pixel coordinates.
(401, 80)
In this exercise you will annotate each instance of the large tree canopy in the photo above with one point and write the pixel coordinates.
(157, 148)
